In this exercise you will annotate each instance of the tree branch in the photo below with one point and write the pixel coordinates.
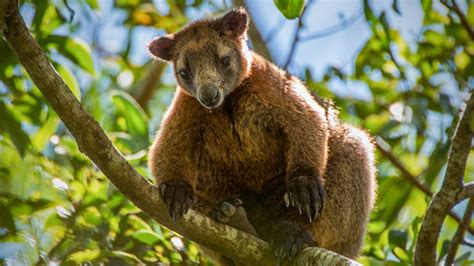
(447, 197)
(296, 37)
(467, 191)
(333, 29)
(452, 5)
(385, 150)
(93, 142)
(149, 84)
(259, 44)
(459, 235)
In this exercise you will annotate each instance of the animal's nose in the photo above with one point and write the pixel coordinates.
(209, 96)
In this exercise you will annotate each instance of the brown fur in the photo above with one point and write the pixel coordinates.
(267, 131)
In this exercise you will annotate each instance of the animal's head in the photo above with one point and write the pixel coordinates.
(210, 57)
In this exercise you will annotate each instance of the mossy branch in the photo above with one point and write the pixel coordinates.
(94, 143)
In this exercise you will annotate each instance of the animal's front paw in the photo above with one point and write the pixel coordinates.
(307, 194)
(178, 196)
(288, 239)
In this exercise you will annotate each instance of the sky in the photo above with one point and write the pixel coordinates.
(338, 49)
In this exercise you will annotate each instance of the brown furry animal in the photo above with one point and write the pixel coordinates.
(241, 127)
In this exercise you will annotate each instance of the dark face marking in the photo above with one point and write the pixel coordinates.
(210, 57)
(209, 72)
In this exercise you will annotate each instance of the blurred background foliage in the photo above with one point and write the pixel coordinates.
(56, 207)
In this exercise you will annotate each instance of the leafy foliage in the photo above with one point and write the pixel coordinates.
(57, 207)
(290, 8)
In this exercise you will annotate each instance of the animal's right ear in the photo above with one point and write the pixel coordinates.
(235, 22)
(162, 47)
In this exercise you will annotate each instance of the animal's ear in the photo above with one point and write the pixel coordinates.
(161, 47)
(235, 22)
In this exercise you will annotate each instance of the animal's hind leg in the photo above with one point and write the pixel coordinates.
(229, 211)
(350, 187)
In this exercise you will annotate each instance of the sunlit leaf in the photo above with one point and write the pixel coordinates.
(291, 9)
(426, 5)
(84, 256)
(132, 259)
(12, 127)
(135, 118)
(70, 79)
(74, 49)
(147, 237)
(94, 4)
(42, 136)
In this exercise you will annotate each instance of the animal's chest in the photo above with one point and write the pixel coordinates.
(238, 151)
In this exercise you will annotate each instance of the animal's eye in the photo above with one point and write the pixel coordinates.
(225, 61)
(184, 74)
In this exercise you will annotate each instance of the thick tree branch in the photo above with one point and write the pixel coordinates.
(93, 142)
(448, 196)
(459, 235)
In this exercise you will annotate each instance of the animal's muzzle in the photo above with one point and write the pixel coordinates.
(209, 96)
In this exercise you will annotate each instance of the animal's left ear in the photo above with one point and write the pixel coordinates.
(235, 22)
(161, 47)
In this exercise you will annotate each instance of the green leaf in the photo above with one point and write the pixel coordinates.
(74, 49)
(42, 136)
(70, 79)
(398, 238)
(135, 118)
(463, 257)
(291, 9)
(426, 5)
(12, 127)
(84, 256)
(47, 18)
(147, 237)
(444, 249)
(130, 258)
(6, 221)
(369, 13)
(94, 4)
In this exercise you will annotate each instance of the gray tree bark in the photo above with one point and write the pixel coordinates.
(452, 190)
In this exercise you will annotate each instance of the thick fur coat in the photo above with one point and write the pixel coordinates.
(242, 127)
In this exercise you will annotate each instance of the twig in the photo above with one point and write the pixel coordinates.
(71, 11)
(333, 29)
(149, 84)
(452, 5)
(385, 150)
(459, 235)
(448, 196)
(276, 29)
(296, 37)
